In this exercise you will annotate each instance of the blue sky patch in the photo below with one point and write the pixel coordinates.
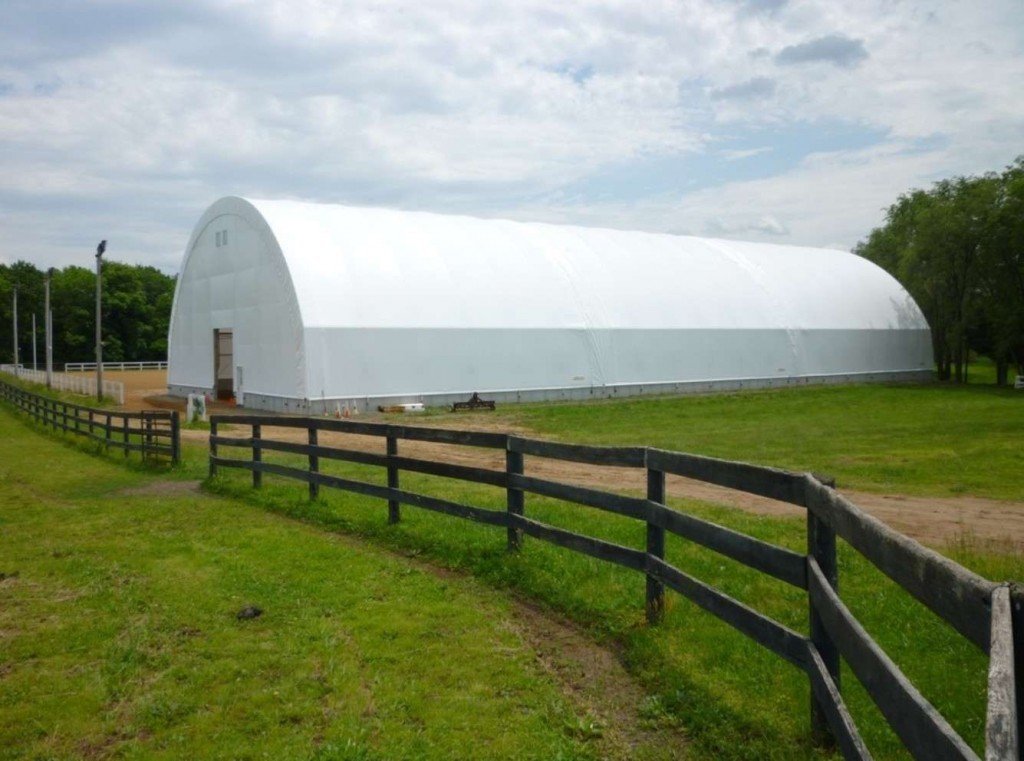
(747, 155)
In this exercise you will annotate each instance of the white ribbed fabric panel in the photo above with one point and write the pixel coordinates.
(340, 302)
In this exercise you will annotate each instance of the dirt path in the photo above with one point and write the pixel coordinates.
(936, 521)
(592, 677)
(599, 687)
(604, 695)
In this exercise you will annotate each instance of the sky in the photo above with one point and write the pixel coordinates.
(769, 120)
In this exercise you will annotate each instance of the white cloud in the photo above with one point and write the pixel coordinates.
(124, 119)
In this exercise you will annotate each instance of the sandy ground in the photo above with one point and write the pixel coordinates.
(937, 521)
(138, 384)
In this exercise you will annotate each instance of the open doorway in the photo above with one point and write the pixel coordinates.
(223, 363)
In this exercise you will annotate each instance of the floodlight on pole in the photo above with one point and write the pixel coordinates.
(48, 330)
(99, 313)
(14, 314)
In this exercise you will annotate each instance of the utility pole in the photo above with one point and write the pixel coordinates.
(99, 311)
(48, 329)
(35, 365)
(14, 314)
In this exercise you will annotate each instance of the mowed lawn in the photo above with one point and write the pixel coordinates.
(929, 439)
(735, 699)
(119, 639)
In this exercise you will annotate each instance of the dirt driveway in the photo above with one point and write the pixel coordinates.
(935, 521)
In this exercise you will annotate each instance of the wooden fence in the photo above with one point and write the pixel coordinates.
(153, 433)
(988, 614)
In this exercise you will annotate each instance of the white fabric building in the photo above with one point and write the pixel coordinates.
(305, 307)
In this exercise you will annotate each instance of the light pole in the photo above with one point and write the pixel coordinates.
(14, 314)
(35, 365)
(48, 329)
(99, 328)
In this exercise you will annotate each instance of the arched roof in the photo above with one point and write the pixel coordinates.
(368, 267)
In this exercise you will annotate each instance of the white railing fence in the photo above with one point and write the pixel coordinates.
(73, 367)
(76, 384)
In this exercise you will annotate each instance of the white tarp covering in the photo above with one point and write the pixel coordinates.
(343, 303)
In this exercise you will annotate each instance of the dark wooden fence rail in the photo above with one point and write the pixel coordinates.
(989, 615)
(151, 433)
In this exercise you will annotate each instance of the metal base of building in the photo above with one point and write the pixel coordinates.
(362, 404)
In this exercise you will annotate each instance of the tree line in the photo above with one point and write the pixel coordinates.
(136, 312)
(958, 248)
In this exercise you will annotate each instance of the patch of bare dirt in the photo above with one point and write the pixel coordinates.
(592, 677)
(161, 489)
(138, 384)
(599, 687)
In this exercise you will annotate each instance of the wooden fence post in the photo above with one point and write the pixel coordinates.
(655, 547)
(127, 435)
(257, 455)
(314, 463)
(394, 513)
(213, 447)
(1002, 718)
(107, 433)
(821, 545)
(1017, 616)
(175, 437)
(514, 501)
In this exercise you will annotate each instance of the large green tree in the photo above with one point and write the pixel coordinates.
(957, 248)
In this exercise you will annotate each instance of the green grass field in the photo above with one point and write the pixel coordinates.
(933, 439)
(733, 699)
(118, 635)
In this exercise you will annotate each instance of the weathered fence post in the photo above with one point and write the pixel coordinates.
(314, 463)
(175, 437)
(1002, 714)
(514, 502)
(1017, 616)
(107, 433)
(394, 513)
(655, 547)
(127, 435)
(821, 545)
(213, 447)
(257, 455)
